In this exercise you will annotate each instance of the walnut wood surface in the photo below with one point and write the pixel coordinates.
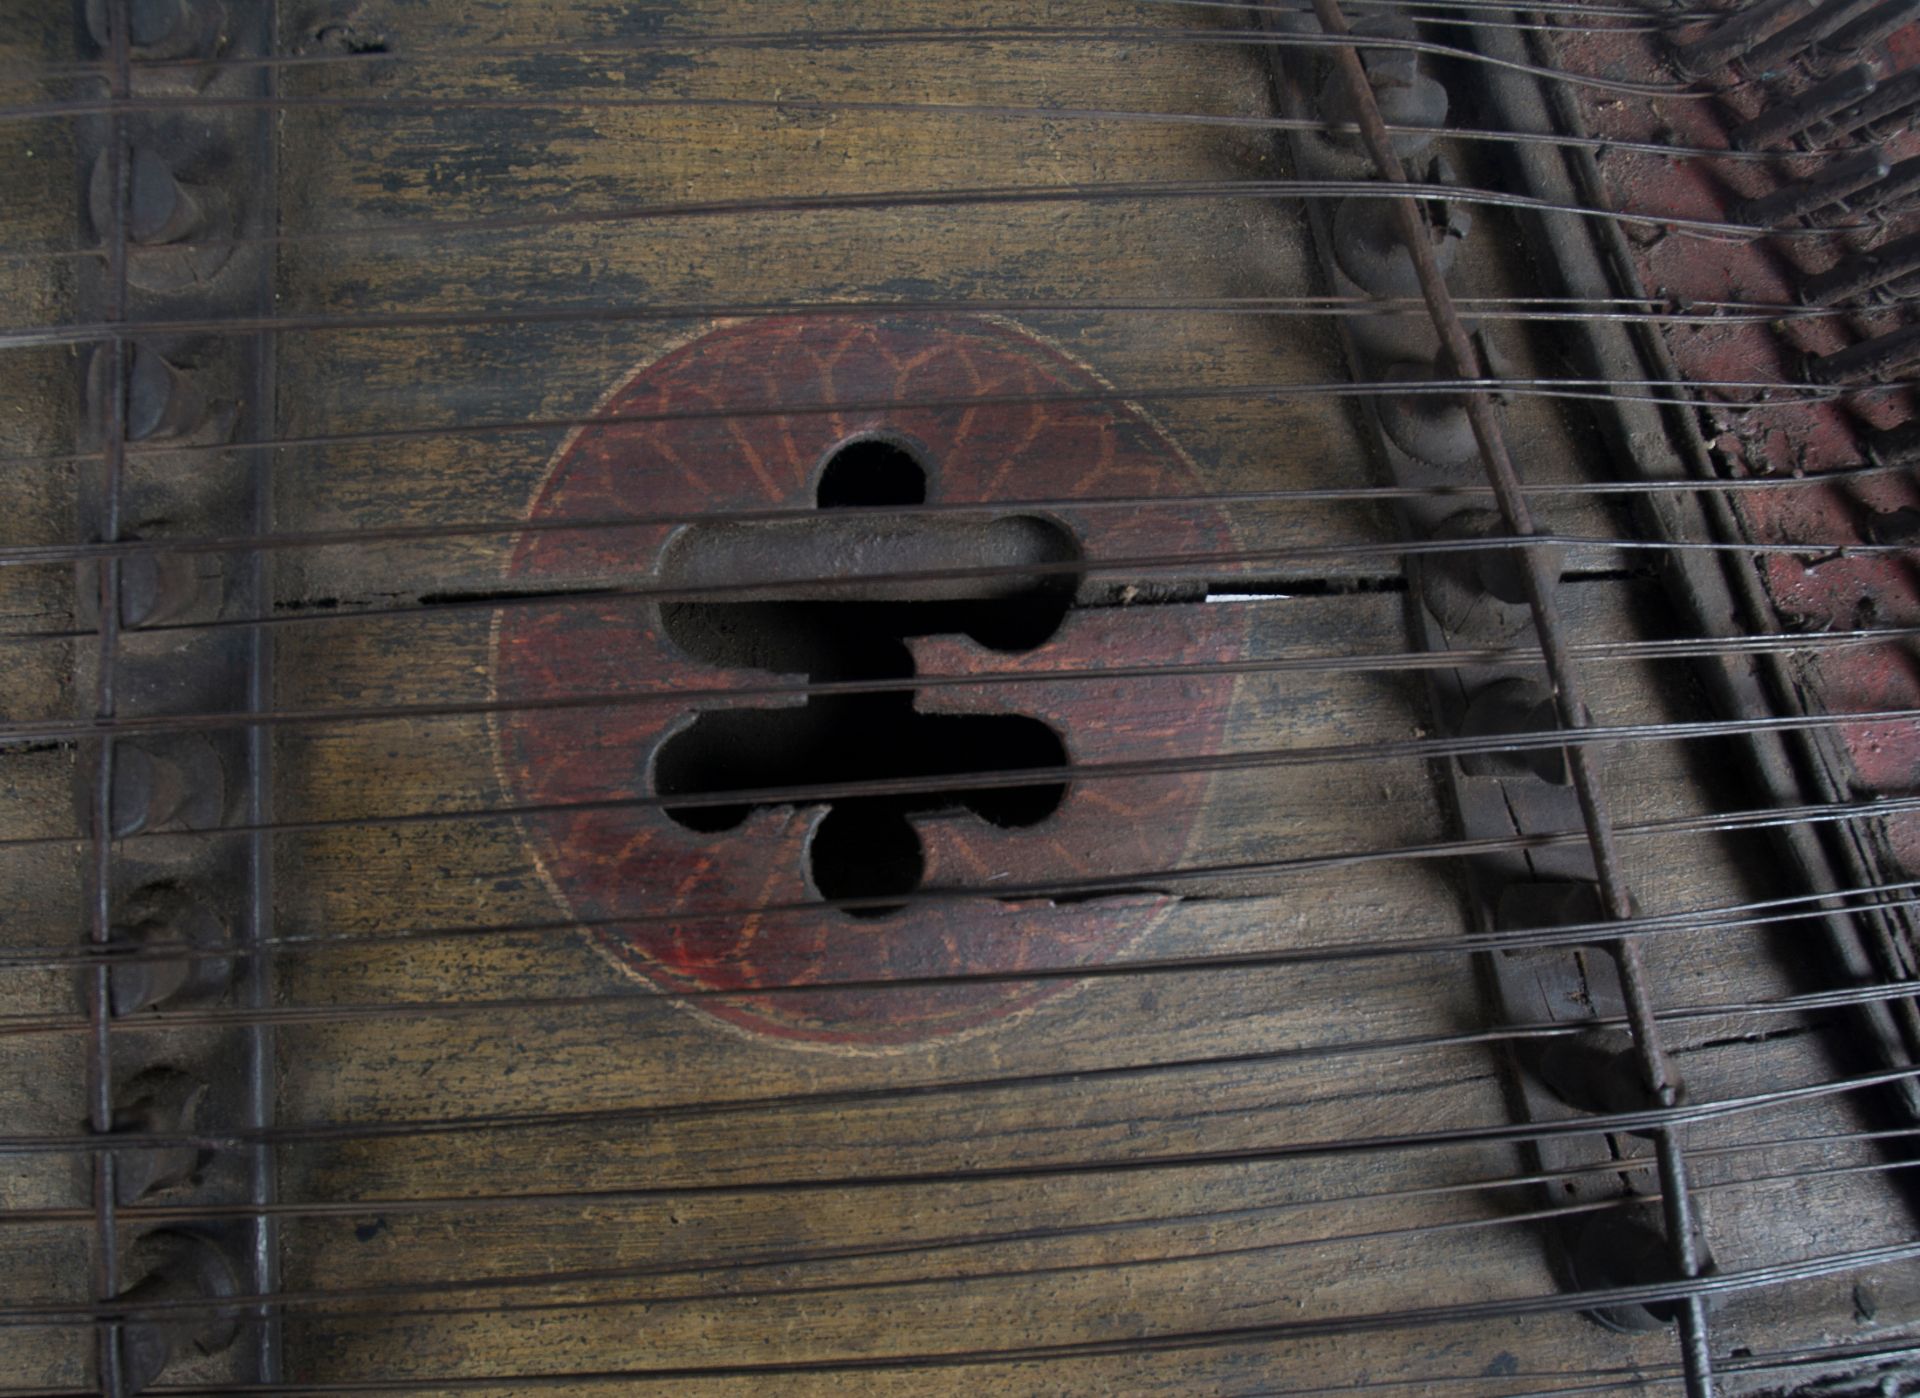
(1189, 1248)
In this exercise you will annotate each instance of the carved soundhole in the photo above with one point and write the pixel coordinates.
(843, 602)
(836, 657)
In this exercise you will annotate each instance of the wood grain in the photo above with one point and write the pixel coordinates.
(1038, 1204)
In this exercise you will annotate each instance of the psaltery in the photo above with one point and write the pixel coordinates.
(1101, 697)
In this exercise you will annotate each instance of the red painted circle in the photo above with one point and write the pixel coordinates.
(683, 436)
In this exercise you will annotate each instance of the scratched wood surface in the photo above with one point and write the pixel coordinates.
(682, 1262)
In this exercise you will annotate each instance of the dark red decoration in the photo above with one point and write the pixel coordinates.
(674, 442)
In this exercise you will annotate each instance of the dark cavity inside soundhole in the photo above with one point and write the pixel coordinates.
(871, 471)
(864, 847)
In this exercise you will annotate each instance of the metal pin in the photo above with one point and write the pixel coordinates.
(1895, 446)
(161, 210)
(1507, 707)
(163, 916)
(184, 1267)
(160, 28)
(1901, 526)
(1828, 186)
(1870, 361)
(1554, 904)
(1897, 292)
(155, 586)
(1803, 34)
(1788, 119)
(1737, 33)
(1614, 1250)
(162, 399)
(1869, 31)
(1368, 247)
(161, 1101)
(1885, 110)
(1431, 427)
(1594, 1072)
(1898, 208)
(1902, 180)
(1407, 97)
(1861, 273)
(185, 785)
(158, 587)
(1456, 585)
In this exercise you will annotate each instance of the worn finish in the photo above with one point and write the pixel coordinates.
(1048, 1218)
(1814, 591)
(706, 863)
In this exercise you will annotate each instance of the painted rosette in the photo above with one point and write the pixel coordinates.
(732, 422)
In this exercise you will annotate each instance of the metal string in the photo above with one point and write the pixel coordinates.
(1721, 1283)
(331, 1300)
(332, 1013)
(1540, 583)
(1434, 15)
(1519, 939)
(99, 880)
(454, 55)
(1118, 769)
(948, 34)
(64, 553)
(403, 103)
(1720, 917)
(890, 1094)
(937, 1358)
(588, 597)
(1526, 309)
(20, 555)
(1574, 934)
(327, 1301)
(1774, 393)
(1636, 1377)
(482, 1204)
(24, 732)
(972, 197)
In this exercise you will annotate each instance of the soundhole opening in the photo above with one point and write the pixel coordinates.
(865, 846)
(871, 471)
